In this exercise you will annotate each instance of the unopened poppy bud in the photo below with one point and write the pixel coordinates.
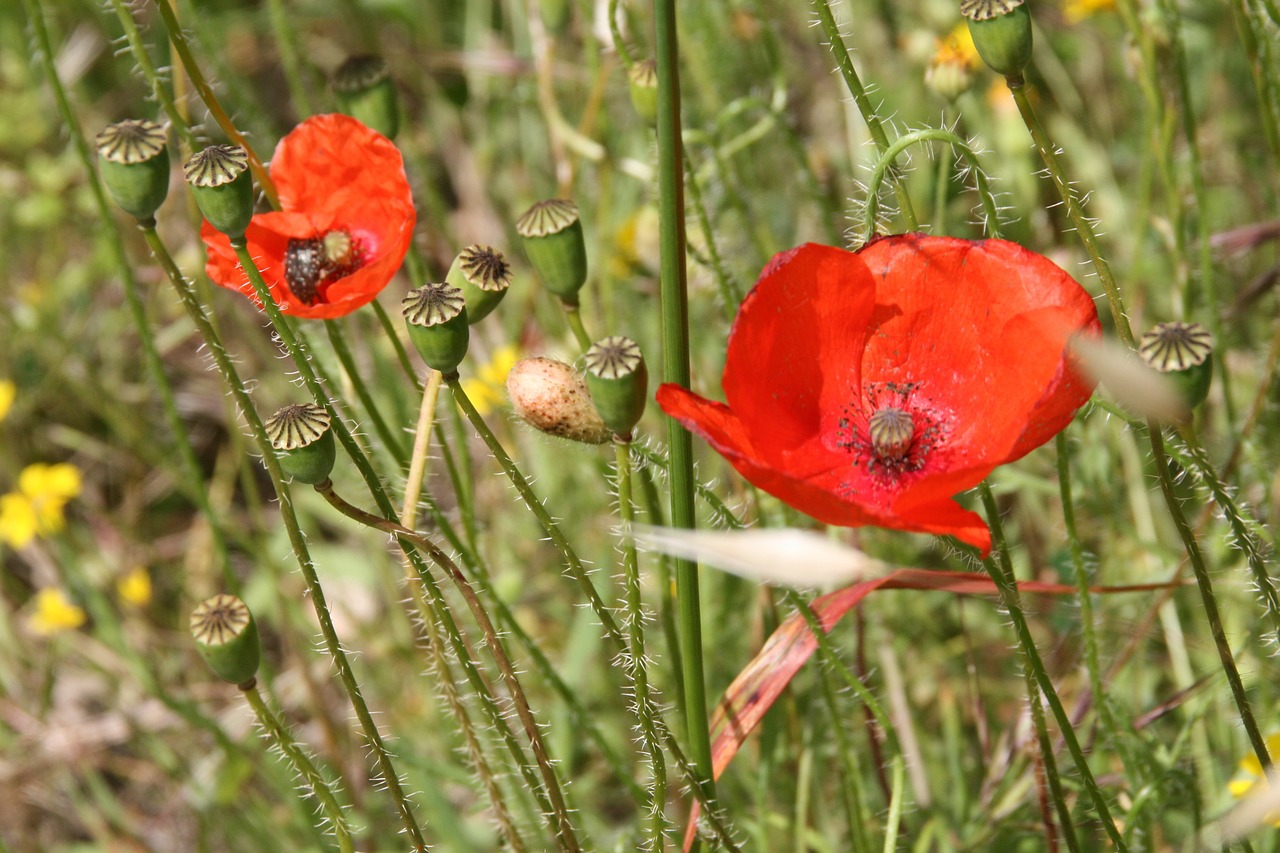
(227, 638)
(643, 81)
(619, 382)
(483, 275)
(437, 318)
(553, 240)
(1184, 353)
(134, 163)
(1001, 31)
(550, 396)
(365, 91)
(220, 180)
(303, 443)
(948, 79)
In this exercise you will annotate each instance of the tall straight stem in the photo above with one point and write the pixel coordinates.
(675, 368)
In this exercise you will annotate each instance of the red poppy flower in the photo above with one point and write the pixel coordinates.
(345, 223)
(869, 387)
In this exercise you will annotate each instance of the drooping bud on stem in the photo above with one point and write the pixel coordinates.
(553, 240)
(1184, 353)
(220, 180)
(1001, 32)
(642, 80)
(227, 638)
(133, 160)
(365, 91)
(550, 396)
(303, 443)
(483, 275)
(436, 315)
(619, 382)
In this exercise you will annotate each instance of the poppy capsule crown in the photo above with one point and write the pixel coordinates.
(870, 387)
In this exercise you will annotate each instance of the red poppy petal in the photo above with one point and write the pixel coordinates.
(794, 345)
(329, 152)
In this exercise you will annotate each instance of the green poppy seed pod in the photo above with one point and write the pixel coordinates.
(303, 443)
(619, 382)
(552, 234)
(551, 397)
(483, 275)
(220, 180)
(643, 83)
(1184, 353)
(1001, 31)
(133, 160)
(365, 91)
(437, 318)
(227, 638)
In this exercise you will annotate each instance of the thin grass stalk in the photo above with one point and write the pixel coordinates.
(421, 447)
(893, 819)
(393, 335)
(195, 481)
(675, 365)
(179, 41)
(1000, 568)
(302, 765)
(288, 48)
(296, 538)
(851, 798)
(874, 126)
(637, 663)
(729, 295)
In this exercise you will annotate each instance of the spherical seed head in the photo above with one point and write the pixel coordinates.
(551, 397)
(436, 315)
(365, 91)
(227, 638)
(303, 443)
(1184, 353)
(891, 431)
(1001, 31)
(133, 160)
(619, 382)
(220, 180)
(483, 275)
(553, 240)
(642, 82)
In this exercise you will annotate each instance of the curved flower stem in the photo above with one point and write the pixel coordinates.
(573, 314)
(693, 773)
(563, 824)
(885, 163)
(302, 765)
(675, 347)
(619, 43)
(338, 341)
(1208, 600)
(421, 446)
(1075, 212)
(637, 663)
(854, 84)
(1001, 570)
(296, 539)
(179, 41)
(158, 90)
(194, 478)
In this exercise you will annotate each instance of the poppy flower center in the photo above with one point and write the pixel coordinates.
(891, 431)
(311, 263)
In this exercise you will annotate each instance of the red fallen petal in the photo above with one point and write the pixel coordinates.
(332, 173)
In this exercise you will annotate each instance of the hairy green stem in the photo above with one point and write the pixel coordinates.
(158, 90)
(302, 765)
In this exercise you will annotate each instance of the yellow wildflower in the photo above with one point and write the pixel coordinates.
(54, 613)
(35, 509)
(135, 587)
(1250, 773)
(487, 388)
(7, 392)
(957, 48)
(1075, 11)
